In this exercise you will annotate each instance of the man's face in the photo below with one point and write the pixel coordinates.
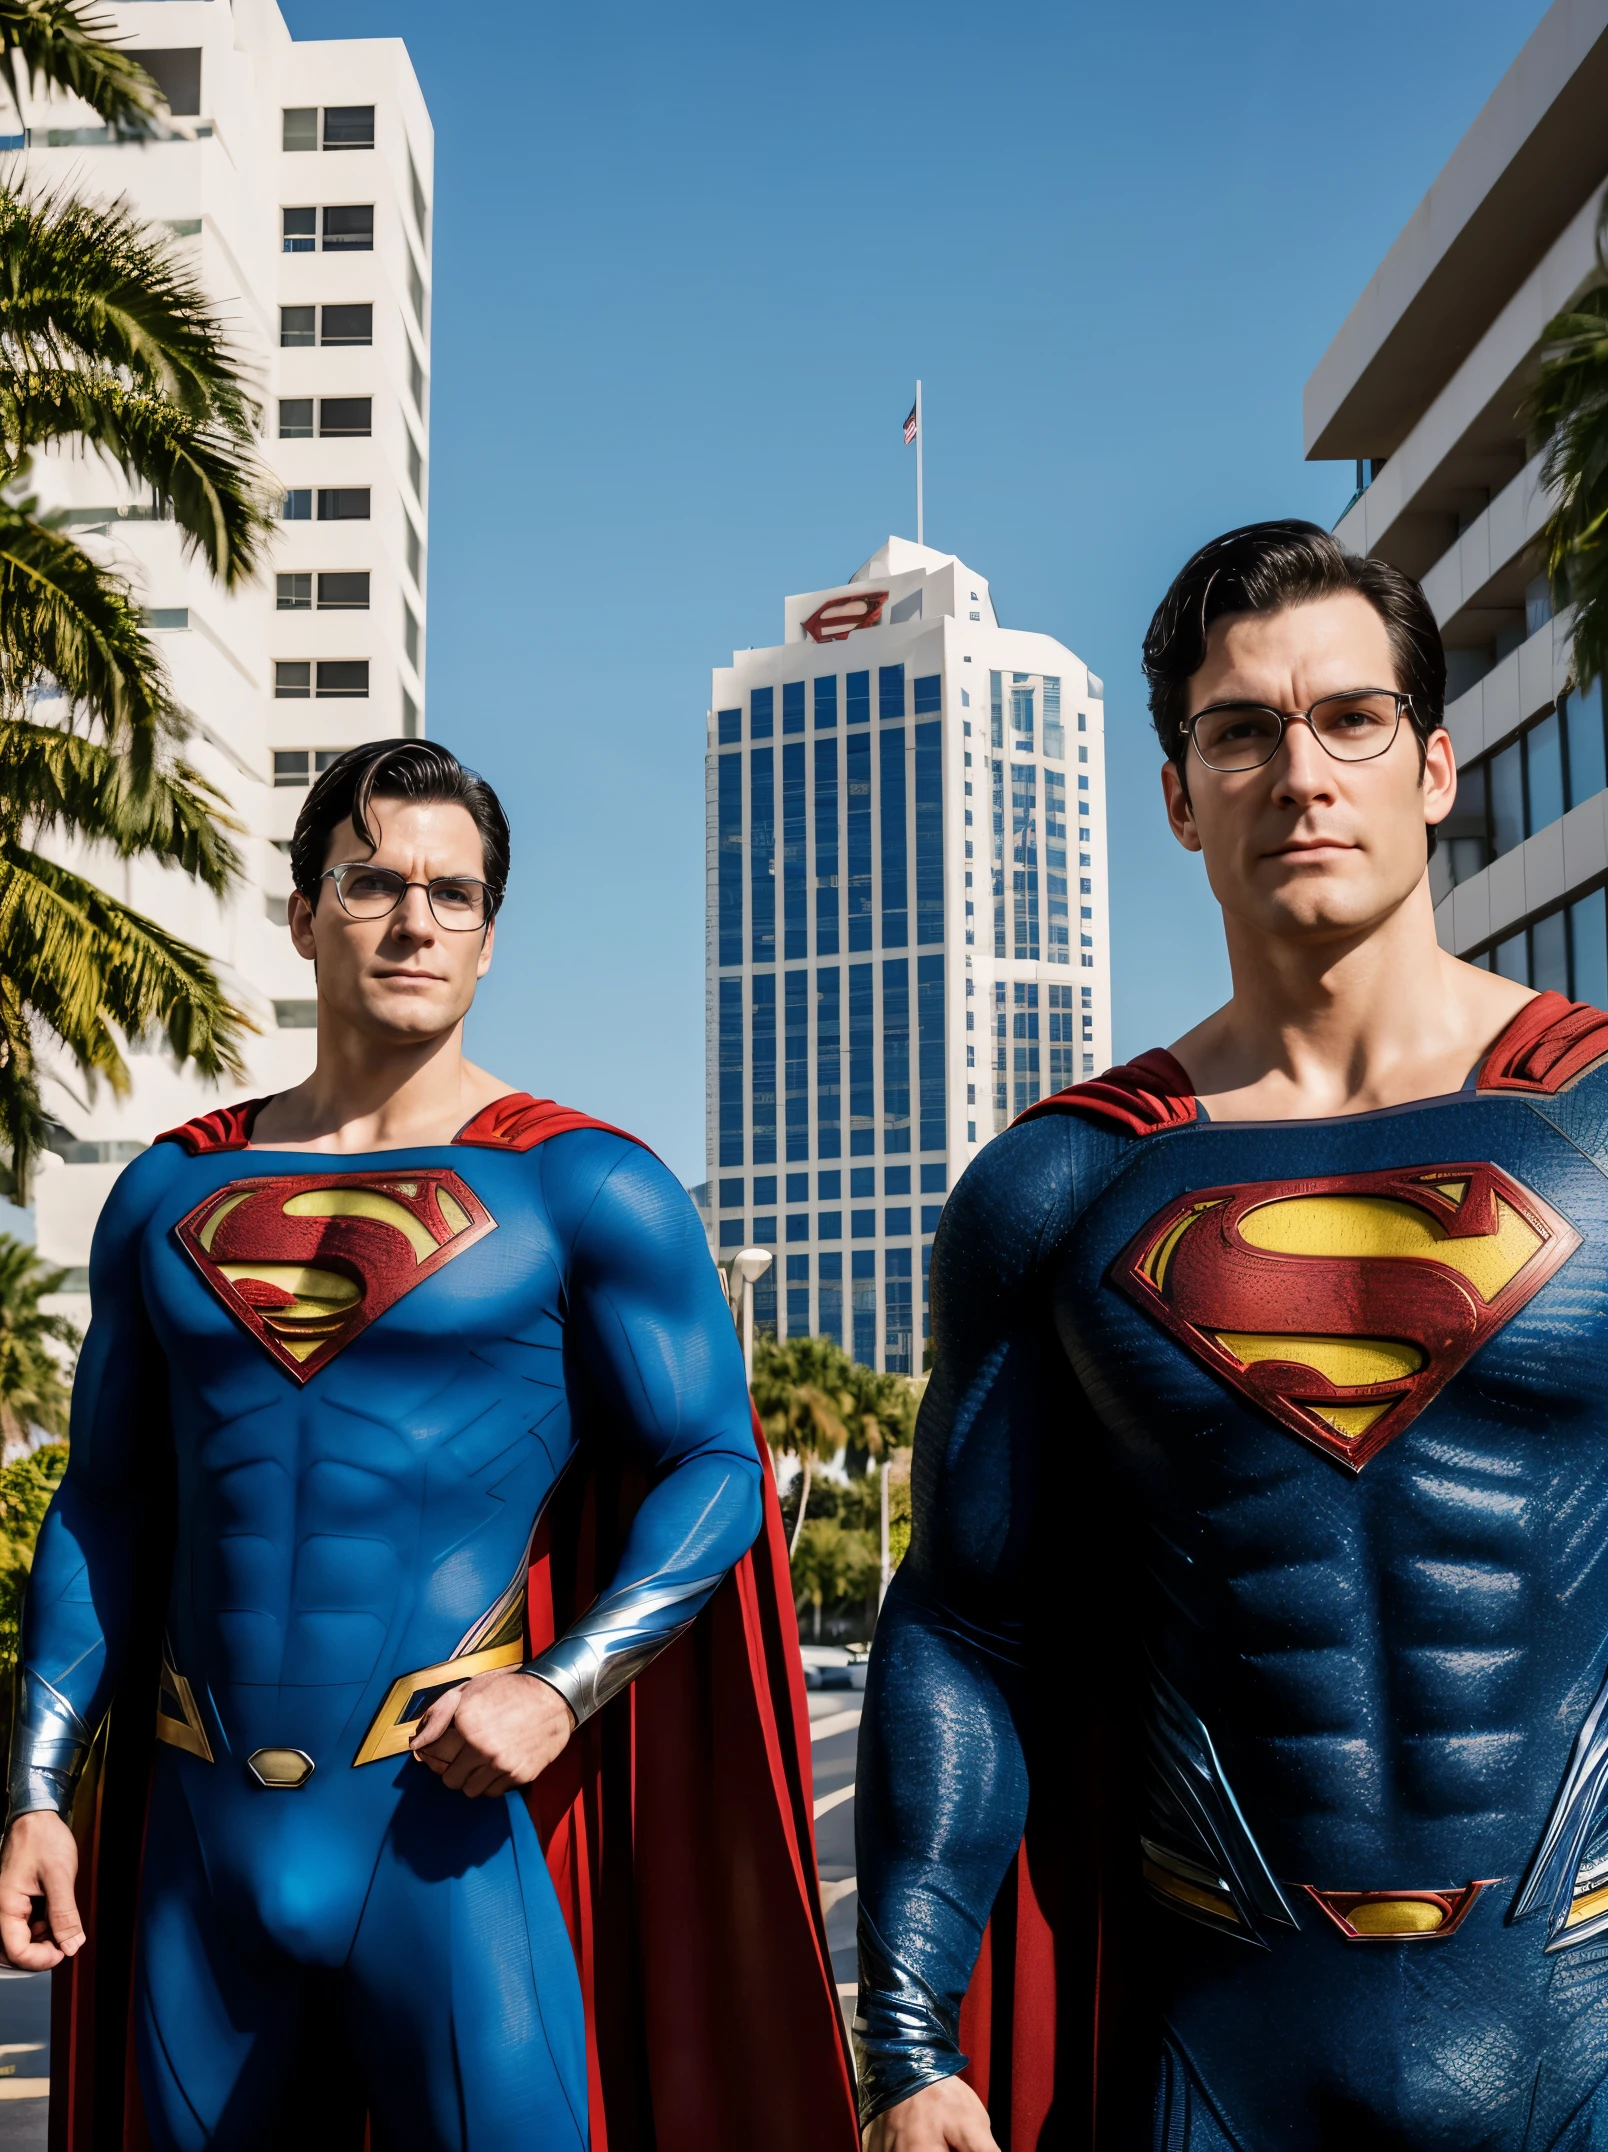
(404, 977)
(1308, 847)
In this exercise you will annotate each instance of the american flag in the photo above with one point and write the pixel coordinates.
(910, 426)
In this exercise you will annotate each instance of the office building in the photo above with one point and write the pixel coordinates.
(907, 929)
(296, 177)
(1423, 386)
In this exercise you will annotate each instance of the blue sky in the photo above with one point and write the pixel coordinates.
(689, 262)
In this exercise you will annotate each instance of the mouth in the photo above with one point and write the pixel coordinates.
(1311, 848)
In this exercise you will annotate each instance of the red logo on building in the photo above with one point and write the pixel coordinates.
(837, 619)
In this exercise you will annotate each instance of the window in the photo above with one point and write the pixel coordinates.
(346, 591)
(343, 504)
(798, 1287)
(347, 325)
(928, 692)
(295, 418)
(415, 469)
(828, 1074)
(829, 1272)
(793, 706)
(290, 767)
(1555, 763)
(410, 717)
(295, 594)
(862, 1066)
(416, 381)
(858, 752)
(299, 230)
(348, 229)
(896, 1054)
(929, 832)
(857, 698)
(416, 290)
(863, 1288)
(298, 326)
(344, 418)
(762, 1084)
(345, 678)
(176, 71)
(895, 867)
(415, 553)
(793, 862)
(420, 207)
(1054, 731)
(826, 838)
(761, 855)
(300, 128)
(297, 506)
(296, 1015)
(729, 843)
(410, 635)
(730, 1057)
(348, 127)
(293, 680)
(897, 1342)
(1565, 950)
(890, 691)
(930, 1060)
(167, 616)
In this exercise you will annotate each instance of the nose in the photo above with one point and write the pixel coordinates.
(413, 917)
(1303, 771)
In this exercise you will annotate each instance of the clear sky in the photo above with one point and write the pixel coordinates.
(688, 263)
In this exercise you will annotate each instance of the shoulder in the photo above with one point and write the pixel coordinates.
(1549, 1047)
(1140, 1097)
(139, 1191)
(593, 1175)
(226, 1128)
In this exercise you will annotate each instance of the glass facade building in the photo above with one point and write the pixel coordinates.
(907, 929)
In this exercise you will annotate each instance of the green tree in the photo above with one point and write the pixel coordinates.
(63, 43)
(833, 1561)
(25, 1491)
(801, 1395)
(1568, 409)
(35, 1381)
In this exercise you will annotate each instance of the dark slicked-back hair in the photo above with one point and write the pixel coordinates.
(1262, 569)
(394, 770)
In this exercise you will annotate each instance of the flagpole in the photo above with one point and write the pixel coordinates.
(921, 536)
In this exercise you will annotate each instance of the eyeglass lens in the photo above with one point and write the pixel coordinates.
(371, 892)
(1243, 736)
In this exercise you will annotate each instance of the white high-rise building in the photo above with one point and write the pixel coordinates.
(907, 929)
(297, 175)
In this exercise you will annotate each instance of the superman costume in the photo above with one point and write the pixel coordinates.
(347, 1432)
(1234, 1770)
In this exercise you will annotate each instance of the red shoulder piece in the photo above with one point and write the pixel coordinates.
(226, 1129)
(1547, 1046)
(519, 1122)
(1141, 1096)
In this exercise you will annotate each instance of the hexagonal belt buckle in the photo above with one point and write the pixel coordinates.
(281, 1770)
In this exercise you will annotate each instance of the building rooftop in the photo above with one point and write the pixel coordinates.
(1533, 155)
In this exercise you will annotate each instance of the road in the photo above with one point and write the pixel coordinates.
(24, 2034)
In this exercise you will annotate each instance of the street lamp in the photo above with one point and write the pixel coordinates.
(747, 1266)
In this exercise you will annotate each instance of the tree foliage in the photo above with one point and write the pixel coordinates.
(109, 343)
(36, 1348)
(1568, 409)
(25, 1491)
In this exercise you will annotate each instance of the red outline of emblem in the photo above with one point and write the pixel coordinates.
(1454, 1903)
(1338, 1296)
(828, 616)
(343, 1244)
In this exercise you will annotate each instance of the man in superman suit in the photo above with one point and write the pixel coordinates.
(1234, 1770)
(414, 1490)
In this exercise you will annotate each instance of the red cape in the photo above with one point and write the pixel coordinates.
(678, 1827)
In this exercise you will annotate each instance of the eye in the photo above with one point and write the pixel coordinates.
(371, 882)
(456, 896)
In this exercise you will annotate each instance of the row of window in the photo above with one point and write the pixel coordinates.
(343, 504)
(330, 679)
(1565, 950)
(837, 786)
(344, 590)
(301, 327)
(845, 1049)
(1017, 1067)
(1016, 877)
(1025, 690)
(344, 127)
(897, 1303)
(829, 1186)
(927, 696)
(339, 418)
(1558, 760)
(336, 228)
(829, 1225)
(295, 766)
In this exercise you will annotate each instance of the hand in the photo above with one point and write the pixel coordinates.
(497, 1731)
(40, 1861)
(946, 2117)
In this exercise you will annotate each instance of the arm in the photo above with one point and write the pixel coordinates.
(942, 1781)
(78, 1609)
(652, 1356)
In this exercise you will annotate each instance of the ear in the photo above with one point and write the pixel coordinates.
(1439, 781)
(299, 918)
(487, 942)
(1180, 814)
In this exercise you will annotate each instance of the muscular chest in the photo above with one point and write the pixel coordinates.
(1353, 1377)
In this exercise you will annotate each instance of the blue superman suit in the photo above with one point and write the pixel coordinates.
(1259, 1574)
(364, 1378)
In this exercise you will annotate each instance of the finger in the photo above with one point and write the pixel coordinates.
(462, 1765)
(21, 1947)
(437, 1719)
(61, 1907)
(480, 1780)
(441, 1752)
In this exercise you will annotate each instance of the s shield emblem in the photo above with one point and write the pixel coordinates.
(307, 1261)
(1342, 1306)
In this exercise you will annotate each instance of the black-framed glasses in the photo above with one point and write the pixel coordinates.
(1353, 727)
(456, 901)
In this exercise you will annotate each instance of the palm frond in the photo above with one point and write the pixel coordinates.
(64, 614)
(23, 1121)
(53, 779)
(84, 962)
(91, 284)
(215, 491)
(1567, 407)
(62, 43)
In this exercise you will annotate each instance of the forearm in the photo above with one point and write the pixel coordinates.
(940, 1805)
(694, 1525)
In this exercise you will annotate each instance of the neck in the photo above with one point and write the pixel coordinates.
(1342, 1023)
(365, 1095)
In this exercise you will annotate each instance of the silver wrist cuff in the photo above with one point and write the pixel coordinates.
(615, 1639)
(49, 1747)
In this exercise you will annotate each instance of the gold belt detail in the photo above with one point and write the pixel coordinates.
(409, 1698)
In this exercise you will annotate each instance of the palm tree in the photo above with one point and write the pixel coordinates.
(801, 1396)
(1568, 409)
(108, 342)
(35, 1382)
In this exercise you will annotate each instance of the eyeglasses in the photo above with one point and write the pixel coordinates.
(455, 901)
(1354, 727)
